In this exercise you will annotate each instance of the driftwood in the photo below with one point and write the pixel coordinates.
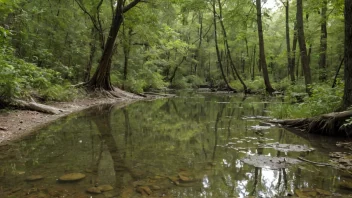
(316, 163)
(36, 106)
(328, 124)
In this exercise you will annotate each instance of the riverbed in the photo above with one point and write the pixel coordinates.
(193, 145)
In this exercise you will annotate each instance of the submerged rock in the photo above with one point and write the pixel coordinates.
(258, 128)
(104, 188)
(287, 147)
(72, 177)
(94, 190)
(342, 160)
(34, 178)
(144, 190)
(262, 161)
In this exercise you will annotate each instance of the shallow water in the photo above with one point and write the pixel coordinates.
(189, 146)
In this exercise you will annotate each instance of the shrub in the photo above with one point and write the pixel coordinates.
(324, 99)
(19, 79)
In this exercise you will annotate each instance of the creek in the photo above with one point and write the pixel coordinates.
(193, 145)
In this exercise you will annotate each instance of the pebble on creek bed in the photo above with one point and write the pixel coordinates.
(72, 177)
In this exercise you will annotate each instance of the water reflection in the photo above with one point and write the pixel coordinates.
(179, 147)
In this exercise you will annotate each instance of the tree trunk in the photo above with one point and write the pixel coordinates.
(101, 77)
(126, 51)
(245, 89)
(293, 58)
(91, 56)
(262, 60)
(337, 73)
(303, 48)
(218, 51)
(323, 42)
(347, 97)
(254, 61)
(175, 70)
(200, 34)
(36, 106)
(288, 46)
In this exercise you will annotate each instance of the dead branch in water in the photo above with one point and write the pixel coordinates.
(328, 124)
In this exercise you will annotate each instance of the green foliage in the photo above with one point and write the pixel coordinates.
(59, 92)
(348, 122)
(324, 99)
(180, 83)
(255, 85)
(20, 79)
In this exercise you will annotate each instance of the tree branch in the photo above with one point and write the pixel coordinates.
(131, 5)
(80, 4)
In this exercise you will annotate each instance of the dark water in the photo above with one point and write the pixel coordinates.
(190, 146)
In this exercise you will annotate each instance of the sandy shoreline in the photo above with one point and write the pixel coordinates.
(16, 124)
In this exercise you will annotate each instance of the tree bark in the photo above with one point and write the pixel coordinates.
(245, 89)
(303, 48)
(262, 60)
(91, 56)
(126, 51)
(347, 97)
(101, 77)
(218, 51)
(254, 61)
(323, 42)
(293, 58)
(337, 73)
(290, 68)
(36, 106)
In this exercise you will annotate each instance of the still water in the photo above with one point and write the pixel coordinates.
(189, 146)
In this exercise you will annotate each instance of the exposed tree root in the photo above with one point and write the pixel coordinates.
(328, 124)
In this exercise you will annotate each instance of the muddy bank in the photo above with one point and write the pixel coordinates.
(16, 124)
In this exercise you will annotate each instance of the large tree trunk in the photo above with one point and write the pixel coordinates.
(262, 60)
(101, 77)
(302, 46)
(347, 97)
(218, 51)
(323, 42)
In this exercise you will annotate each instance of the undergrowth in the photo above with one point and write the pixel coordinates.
(324, 99)
(21, 79)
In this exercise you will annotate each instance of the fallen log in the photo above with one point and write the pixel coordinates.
(36, 106)
(332, 124)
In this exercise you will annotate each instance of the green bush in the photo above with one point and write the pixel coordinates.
(19, 79)
(59, 93)
(324, 99)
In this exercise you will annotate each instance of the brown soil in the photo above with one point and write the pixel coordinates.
(15, 124)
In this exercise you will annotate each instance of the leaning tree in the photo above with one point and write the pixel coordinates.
(101, 78)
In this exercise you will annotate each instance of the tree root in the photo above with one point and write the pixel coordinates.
(328, 124)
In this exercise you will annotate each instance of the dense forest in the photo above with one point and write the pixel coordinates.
(52, 49)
